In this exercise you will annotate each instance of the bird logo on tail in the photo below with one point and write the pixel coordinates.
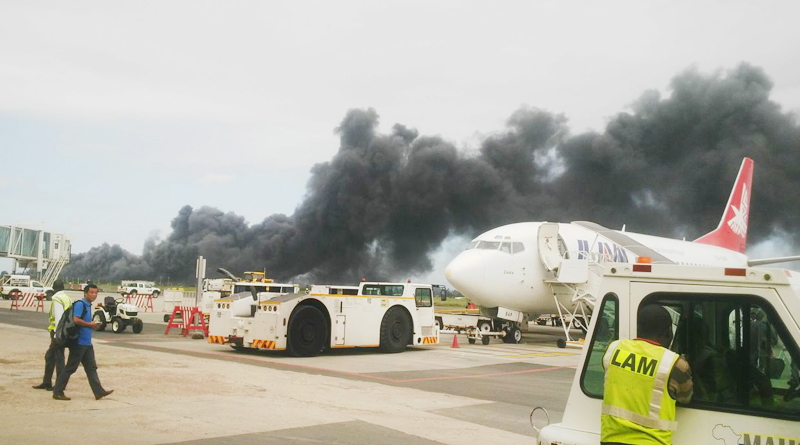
(738, 223)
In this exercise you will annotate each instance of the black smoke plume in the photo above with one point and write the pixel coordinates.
(384, 202)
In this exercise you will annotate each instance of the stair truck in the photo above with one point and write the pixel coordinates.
(739, 329)
(388, 316)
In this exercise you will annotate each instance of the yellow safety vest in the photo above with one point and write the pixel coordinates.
(63, 299)
(637, 407)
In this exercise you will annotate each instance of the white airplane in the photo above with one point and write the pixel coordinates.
(534, 268)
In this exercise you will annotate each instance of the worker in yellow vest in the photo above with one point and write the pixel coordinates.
(54, 357)
(643, 381)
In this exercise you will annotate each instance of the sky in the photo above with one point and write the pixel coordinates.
(114, 115)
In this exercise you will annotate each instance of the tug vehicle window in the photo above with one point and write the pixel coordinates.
(423, 298)
(742, 357)
(605, 331)
(392, 290)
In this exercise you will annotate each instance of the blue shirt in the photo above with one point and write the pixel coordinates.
(83, 309)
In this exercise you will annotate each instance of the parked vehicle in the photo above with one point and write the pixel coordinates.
(24, 285)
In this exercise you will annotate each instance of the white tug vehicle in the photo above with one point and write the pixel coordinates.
(739, 330)
(388, 316)
(118, 314)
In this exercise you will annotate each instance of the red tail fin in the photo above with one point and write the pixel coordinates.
(732, 230)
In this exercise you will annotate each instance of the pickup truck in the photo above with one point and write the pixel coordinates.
(24, 285)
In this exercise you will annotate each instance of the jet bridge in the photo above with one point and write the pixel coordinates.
(33, 248)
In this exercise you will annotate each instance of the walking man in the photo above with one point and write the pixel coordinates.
(54, 357)
(82, 352)
(642, 383)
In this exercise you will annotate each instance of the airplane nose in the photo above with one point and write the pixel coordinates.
(465, 273)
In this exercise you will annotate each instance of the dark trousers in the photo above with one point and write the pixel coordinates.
(53, 359)
(80, 355)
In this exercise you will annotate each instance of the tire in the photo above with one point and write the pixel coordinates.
(513, 335)
(308, 332)
(138, 325)
(156, 294)
(117, 326)
(485, 340)
(133, 292)
(471, 341)
(516, 335)
(561, 343)
(100, 318)
(485, 326)
(439, 323)
(396, 330)
(167, 317)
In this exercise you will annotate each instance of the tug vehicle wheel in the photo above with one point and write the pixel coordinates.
(100, 319)
(485, 340)
(117, 326)
(307, 332)
(395, 330)
(471, 341)
(138, 325)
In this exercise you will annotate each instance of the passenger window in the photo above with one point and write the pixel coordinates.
(740, 353)
(605, 331)
(423, 298)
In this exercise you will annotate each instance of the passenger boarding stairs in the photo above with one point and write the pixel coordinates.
(576, 276)
(54, 270)
(575, 280)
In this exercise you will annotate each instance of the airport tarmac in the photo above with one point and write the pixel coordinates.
(171, 389)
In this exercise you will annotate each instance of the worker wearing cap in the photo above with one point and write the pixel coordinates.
(54, 357)
(643, 381)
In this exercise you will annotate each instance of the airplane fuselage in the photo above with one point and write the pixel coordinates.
(504, 268)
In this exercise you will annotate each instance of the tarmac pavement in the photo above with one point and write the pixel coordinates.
(171, 389)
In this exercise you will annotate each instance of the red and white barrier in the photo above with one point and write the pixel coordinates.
(187, 318)
(19, 300)
(141, 300)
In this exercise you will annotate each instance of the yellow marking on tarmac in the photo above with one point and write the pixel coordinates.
(540, 354)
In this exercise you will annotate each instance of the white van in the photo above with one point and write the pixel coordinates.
(738, 328)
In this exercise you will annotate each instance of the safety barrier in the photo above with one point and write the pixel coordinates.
(28, 300)
(141, 300)
(187, 318)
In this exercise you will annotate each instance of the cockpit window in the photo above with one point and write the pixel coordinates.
(489, 245)
(505, 247)
(518, 247)
(473, 244)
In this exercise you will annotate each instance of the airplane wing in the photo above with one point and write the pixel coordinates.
(763, 261)
(625, 241)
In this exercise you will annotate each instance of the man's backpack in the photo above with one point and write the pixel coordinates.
(66, 332)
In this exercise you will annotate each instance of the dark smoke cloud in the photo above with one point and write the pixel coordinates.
(384, 202)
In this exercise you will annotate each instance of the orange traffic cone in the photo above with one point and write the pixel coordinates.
(455, 341)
